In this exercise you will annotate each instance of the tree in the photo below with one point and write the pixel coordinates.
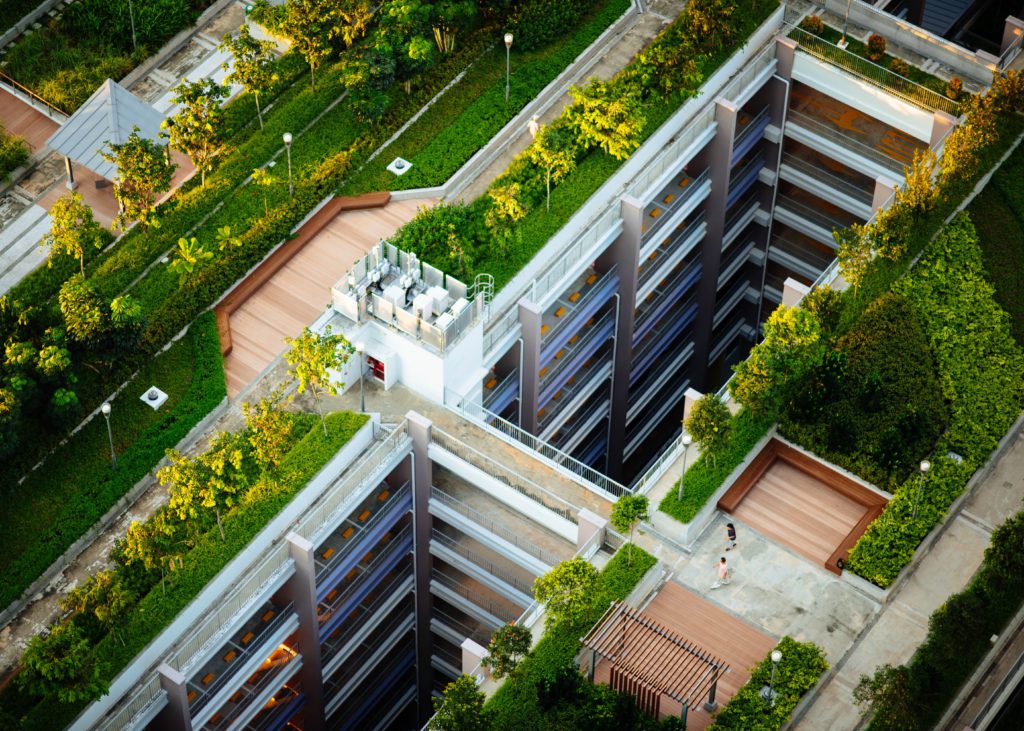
(152, 544)
(85, 314)
(10, 416)
(854, 253)
(72, 230)
(143, 170)
(209, 481)
(448, 17)
(461, 708)
(268, 429)
(62, 664)
(189, 256)
(566, 589)
(710, 423)
(552, 150)
(607, 114)
(918, 193)
(312, 358)
(198, 128)
(508, 645)
(252, 64)
(311, 25)
(506, 207)
(104, 596)
(887, 695)
(628, 511)
(264, 180)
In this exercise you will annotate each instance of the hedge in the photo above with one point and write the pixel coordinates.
(703, 478)
(13, 152)
(210, 554)
(515, 704)
(981, 372)
(61, 500)
(959, 630)
(799, 670)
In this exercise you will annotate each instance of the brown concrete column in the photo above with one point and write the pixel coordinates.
(1012, 30)
(785, 55)
(422, 479)
(529, 323)
(175, 715)
(300, 589)
(941, 124)
(884, 188)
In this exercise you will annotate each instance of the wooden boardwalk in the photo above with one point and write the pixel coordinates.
(794, 508)
(300, 292)
(713, 629)
(25, 121)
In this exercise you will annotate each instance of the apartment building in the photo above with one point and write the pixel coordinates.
(384, 578)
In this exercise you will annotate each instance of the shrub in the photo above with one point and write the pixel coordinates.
(899, 66)
(801, 666)
(710, 423)
(813, 24)
(13, 152)
(535, 23)
(954, 87)
(876, 47)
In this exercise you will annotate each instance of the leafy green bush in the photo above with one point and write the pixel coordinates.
(516, 703)
(981, 371)
(209, 555)
(703, 478)
(13, 152)
(58, 502)
(799, 670)
(874, 406)
(535, 23)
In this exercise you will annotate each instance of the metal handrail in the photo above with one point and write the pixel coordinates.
(567, 318)
(1007, 56)
(393, 546)
(883, 78)
(750, 126)
(273, 673)
(523, 485)
(474, 598)
(484, 522)
(383, 595)
(493, 392)
(809, 168)
(683, 197)
(326, 566)
(821, 128)
(647, 268)
(140, 701)
(592, 332)
(478, 636)
(811, 214)
(477, 560)
(50, 107)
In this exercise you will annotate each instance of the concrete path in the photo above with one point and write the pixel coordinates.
(945, 570)
(652, 21)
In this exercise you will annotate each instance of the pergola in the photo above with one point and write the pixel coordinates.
(108, 116)
(648, 661)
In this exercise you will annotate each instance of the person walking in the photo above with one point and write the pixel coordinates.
(723, 574)
(534, 126)
(730, 536)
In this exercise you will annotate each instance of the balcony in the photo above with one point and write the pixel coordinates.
(739, 292)
(672, 386)
(743, 179)
(738, 219)
(568, 315)
(799, 254)
(260, 689)
(810, 216)
(366, 526)
(569, 437)
(339, 602)
(594, 375)
(473, 563)
(725, 338)
(735, 260)
(663, 337)
(749, 131)
(471, 600)
(579, 349)
(666, 297)
(500, 394)
(446, 660)
(666, 368)
(384, 664)
(248, 649)
(280, 709)
(660, 263)
(455, 630)
(686, 193)
(828, 179)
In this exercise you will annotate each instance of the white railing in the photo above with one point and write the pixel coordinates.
(350, 485)
(651, 179)
(655, 471)
(238, 601)
(135, 706)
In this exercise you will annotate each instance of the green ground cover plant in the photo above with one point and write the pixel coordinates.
(802, 665)
(66, 60)
(915, 696)
(518, 703)
(981, 372)
(998, 214)
(665, 74)
(269, 493)
(62, 499)
(703, 478)
(13, 153)
(14, 10)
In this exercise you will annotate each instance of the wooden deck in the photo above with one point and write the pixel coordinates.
(713, 629)
(799, 511)
(301, 290)
(25, 121)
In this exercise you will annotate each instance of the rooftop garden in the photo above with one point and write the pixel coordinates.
(903, 365)
(500, 232)
(140, 303)
(13, 153)
(871, 62)
(219, 501)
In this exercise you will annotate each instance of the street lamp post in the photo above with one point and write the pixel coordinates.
(925, 466)
(687, 440)
(360, 349)
(508, 51)
(767, 692)
(846, 21)
(105, 410)
(131, 16)
(288, 149)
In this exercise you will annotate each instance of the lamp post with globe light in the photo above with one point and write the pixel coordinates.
(287, 137)
(105, 410)
(687, 440)
(508, 51)
(925, 466)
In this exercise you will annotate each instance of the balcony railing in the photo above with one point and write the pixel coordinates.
(755, 126)
(846, 141)
(874, 74)
(818, 172)
(499, 394)
(481, 562)
(595, 334)
(273, 677)
(473, 597)
(683, 196)
(599, 293)
(384, 595)
(487, 524)
(498, 471)
(400, 544)
(811, 214)
(648, 268)
(461, 628)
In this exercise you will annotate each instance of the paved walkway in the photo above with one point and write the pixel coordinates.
(945, 570)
